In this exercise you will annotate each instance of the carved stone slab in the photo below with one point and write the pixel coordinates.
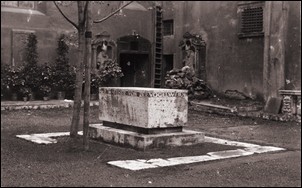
(144, 107)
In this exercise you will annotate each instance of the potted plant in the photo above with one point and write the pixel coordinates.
(96, 82)
(104, 77)
(46, 81)
(25, 92)
(4, 80)
(109, 72)
(32, 71)
(46, 91)
(63, 73)
(13, 81)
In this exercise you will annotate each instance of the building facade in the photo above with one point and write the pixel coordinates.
(253, 47)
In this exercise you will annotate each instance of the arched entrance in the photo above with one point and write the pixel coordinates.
(134, 57)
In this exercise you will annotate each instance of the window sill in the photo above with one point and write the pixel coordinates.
(248, 35)
(168, 36)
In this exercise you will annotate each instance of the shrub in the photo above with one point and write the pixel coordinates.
(109, 71)
(45, 89)
(63, 74)
(46, 80)
(31, 54)
(25, 91)
(105, 74)
(31, 72)
(14, 78)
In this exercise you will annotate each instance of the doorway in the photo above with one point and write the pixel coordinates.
(135, 70)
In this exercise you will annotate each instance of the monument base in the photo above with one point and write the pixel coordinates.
(144, 141)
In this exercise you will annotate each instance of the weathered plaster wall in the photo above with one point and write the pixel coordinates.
(231, 63)
(293, 47)
(134, 20)
(51, 24)
(47, 27)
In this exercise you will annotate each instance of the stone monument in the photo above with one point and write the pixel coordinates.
(144, 118)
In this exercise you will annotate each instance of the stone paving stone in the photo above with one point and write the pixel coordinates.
(132, 164)
(230, 153)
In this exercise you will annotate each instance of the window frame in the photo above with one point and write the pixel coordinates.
(171, 22)
(240, 9)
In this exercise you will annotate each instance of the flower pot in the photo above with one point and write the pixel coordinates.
(25, 98)
(61, 95)
(14, 96)
(31, 96)
(45, 98)
(94, 97)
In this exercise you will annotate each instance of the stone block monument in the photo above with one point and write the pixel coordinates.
(144, 118)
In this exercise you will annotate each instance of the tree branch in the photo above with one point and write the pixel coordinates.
(103, 19)
(66, 16)
(85, 10)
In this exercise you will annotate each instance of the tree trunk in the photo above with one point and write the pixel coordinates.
(88, 36)
(79, 73)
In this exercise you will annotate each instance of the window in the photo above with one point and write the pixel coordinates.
(168, 27)
(250, 20)
(19, 4)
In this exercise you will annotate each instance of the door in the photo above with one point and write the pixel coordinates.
(135, 70)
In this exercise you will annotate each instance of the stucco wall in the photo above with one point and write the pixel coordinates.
(231, 63)
(293, 47)
(51, 23)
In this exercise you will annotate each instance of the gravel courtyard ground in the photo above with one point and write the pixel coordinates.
(27, 164)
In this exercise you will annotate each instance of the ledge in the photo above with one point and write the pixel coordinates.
(21, 11)
(34, 105)
(290, 92)
(222, 110)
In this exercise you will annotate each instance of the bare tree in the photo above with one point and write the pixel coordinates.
(84, 58)
(88, 36)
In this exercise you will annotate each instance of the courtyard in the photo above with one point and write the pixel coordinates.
(165, 93)
(25, 163)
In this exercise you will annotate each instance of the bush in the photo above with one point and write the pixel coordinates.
(185, 78)
(31, 53)
(25, 91)
(46, 90)
(105, 74)
(14, 79)
(62, 73)
(47, 83)
(4, 86)
(31, 72)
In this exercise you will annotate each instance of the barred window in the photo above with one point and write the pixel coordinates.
(168, 27)
(251, 20)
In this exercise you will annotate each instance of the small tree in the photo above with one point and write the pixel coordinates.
(31, 71)
(63, 75)
(31, 54)
(11, 79)
(46, 80)
(83, 27)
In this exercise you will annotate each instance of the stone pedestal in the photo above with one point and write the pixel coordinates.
(291, 103)
(144, 118)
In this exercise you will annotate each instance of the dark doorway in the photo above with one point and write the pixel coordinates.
(167, 63)
(134, 54)
(135, 70)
